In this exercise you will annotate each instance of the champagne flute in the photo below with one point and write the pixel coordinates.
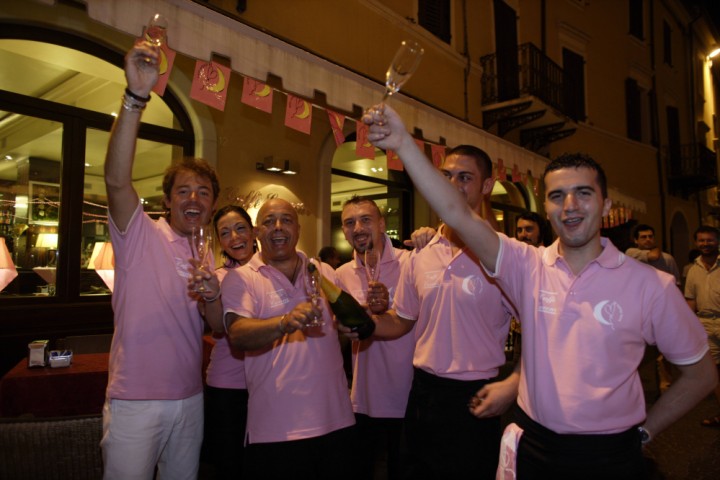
(403, 65)
(372, 271)
(156, 31)
(201, 245)
(312, 288)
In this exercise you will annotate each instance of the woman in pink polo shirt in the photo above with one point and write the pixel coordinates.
(226, 395)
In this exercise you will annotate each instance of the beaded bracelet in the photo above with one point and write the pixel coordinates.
(132, 105)
(135, 96)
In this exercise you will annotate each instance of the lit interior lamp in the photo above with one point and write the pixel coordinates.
(714, 53)
(7, 267)
(50, 242)
(47, 273)
(102, 261)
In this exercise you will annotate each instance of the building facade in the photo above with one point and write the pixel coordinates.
(628, 81)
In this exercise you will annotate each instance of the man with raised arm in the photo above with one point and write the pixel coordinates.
(153, 414)
(587, 312)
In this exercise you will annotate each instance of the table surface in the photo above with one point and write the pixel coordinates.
(52, 392)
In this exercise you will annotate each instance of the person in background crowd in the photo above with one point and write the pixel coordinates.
(530, 228)
(153, 414)
(587, 313)
(702, 291)
(460, 329)
(647, 251)
(299, 414)
(382, 369)
(330, 256)
(226, 395)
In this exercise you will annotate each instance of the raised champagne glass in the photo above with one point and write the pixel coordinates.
(372, 271)
(156, 30)
(312, 288)
(403, 65)
(201, 246)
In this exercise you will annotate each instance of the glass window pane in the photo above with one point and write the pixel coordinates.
(151, 160)
(30, 168)
(70, 77)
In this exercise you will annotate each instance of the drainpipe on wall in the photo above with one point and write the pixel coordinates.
(655, 126)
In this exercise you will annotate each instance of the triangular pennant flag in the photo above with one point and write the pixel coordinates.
(516, 173)
(438, 155)
(298, 114)
(336, 123)
(167, 60)
(257, 94)
(210, 84)
(420, 144)
(363, 147)
(393, 161)
(501, 173)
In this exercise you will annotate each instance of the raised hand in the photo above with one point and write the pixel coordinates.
(142, 68)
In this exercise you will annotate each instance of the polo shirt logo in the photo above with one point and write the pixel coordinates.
(277, 298)
(472, 285)
(547, 302)
(432, 279)
(608, 313)
(182, 267)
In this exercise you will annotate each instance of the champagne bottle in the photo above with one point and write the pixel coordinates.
(346, 309)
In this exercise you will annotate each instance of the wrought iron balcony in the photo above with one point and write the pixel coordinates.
(690, 168)
(527, 96)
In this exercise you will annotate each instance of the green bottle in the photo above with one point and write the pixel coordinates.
(346, 309)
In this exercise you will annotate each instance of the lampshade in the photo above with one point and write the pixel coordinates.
(102, 261)
(47, 240)
(7, 268)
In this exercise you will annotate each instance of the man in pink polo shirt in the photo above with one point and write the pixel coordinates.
(587, 312)
(460, 326)
(153, 415)
(299, 412)
(382, 368)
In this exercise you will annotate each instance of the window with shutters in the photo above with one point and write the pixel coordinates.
(633, 110)
(636, 18)
(434, 16)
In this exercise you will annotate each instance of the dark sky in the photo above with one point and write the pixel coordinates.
(713, 8)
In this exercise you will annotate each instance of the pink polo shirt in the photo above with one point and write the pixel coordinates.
(156, 351)
(584, 335)
(297, 386)
(227, 365)
(382, 369)
(462, 324)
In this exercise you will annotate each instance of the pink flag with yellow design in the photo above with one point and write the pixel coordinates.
(167, 59)
(438, 155)
(516, 173)
(393, 161)
(420, 144)
(210, 84)
(257, 94)
(363, 147)
(298, 114)
(501, 173)
(337, 121)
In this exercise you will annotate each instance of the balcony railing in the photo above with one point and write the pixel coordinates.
(537, 75)
(690, 167)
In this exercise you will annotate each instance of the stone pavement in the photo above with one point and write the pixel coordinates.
(686, 450)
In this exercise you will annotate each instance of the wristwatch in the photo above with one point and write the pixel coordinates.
(644, 436)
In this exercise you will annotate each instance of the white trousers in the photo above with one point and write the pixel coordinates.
(140, 434)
